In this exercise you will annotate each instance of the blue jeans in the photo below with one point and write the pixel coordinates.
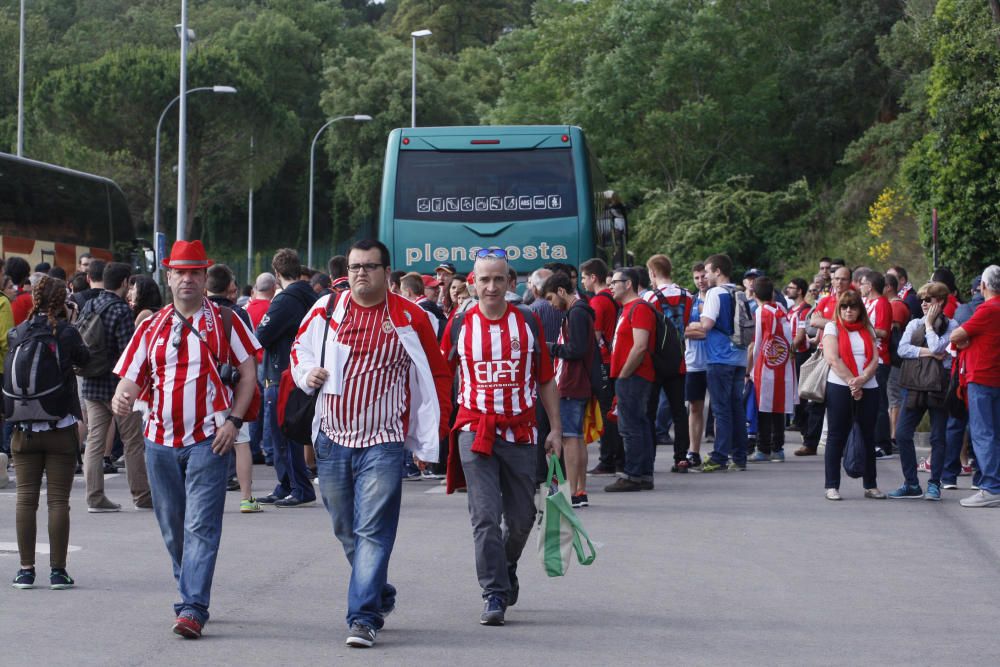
(634, 427)
(984, 430)
(955, 435)
(289, 457)
(909, 418)
(725, 389)
(362, 490)
(188, 486)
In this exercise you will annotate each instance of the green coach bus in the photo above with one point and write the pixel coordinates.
(533, 190)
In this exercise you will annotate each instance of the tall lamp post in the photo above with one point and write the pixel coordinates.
(185, 37)
(156, 173)
(312, 170)
(20, 86)
(416, 34)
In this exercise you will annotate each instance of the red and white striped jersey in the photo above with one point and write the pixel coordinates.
(500, 365)
(178, 373)
(374, 408)
(774, 361)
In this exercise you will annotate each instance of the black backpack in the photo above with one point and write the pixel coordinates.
(35, 388)
(436, 311)
(91, 328)
(665, 348)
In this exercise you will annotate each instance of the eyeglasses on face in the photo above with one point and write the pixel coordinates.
(368, 267)
(618, 280)
(499, 253)
(927, 299)
(848, 306)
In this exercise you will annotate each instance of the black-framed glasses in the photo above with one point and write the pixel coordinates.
(499, 253)
(619, 280)
(367, 266)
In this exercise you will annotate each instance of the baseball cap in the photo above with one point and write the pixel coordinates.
(754, 273)
(431, 281)
(446, 266)
(471, 278)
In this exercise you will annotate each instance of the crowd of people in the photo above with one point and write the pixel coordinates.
(466, 380)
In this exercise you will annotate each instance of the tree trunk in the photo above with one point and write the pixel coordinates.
(995, 8)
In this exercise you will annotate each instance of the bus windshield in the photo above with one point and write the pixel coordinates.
(493, 186)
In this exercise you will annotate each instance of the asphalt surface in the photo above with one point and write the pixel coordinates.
(749, 568)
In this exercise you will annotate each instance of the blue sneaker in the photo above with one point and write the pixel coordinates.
(778, 456)
(493, 611)
(759, 457)
(25, 579)
(933, 491)
(907, 492)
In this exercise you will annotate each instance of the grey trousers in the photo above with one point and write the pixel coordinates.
(501, 491)
(99, 418)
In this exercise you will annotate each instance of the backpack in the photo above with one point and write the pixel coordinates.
(91, 328)
(665, 348)
(743, 323)
(35, 388)
(296, 408)
(435, 310)
(674, 314)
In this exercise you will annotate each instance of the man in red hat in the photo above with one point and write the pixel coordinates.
(181, 364)
(432, 288)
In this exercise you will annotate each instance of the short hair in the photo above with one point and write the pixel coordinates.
(511, 273)
(337, 267)
(901, 272)
(265, 282)
(763, 288)
(826, 259)
(58, 272)
(892, 282)
(320, 279)
(721, 263)
(944, 275)
(83, 255)
(79, 282)
(43, 267)
(539, 276)
(286, 264)
(935, 289)
(597, 268)
(698, 266)
(218, 279)
(95, 270)
(643, 276)
(115, 275)
(661, 264)
(396, 277)
(555, 281)
(630, 274)
(800, 283)
(991, 278)
(877, 281)
(18, 269)
(860, 273)
(372, 244)
(839, 262)
(568, 269)
(413, 282)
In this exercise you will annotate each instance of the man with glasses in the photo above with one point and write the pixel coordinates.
(276, 332)
(194, 418)
(504, 367)
(383, 385)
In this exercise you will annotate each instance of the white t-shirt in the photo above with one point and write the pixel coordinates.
(858, 348)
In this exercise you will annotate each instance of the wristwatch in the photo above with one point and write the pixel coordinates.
(235, 421)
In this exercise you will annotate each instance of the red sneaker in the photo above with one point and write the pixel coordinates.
(187, 627)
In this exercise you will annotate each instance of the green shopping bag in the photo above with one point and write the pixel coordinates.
(560, 531)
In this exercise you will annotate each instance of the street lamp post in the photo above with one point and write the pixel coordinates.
(312, 169)
(20, 87)
(182, 127)
(416, 34)
(156, 172)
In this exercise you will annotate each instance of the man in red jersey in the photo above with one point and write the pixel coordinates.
(594, 275)
(174, 364)
(384, 387)
(504, 366)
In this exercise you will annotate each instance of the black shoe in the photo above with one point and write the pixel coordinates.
(646, 486)
(580, 500)
(493, 611)
(233, 484)
(665, 442)
(292, 501)
(360, 636)
(515, 586)
(109, 466)
(270, 499)
(259, 459)
(694, 460)
(601, 471)
(269, 462)
(622, 484)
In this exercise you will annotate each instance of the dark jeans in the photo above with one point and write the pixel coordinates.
(612, 453)
(635, 427)
(802, 407)
(815, 412)
(954, 439)
(843, 411)
(725, 388)
(883, 438)
(54, 453)
(909, 418)
(289, 456)
(771, 432)
(672, 390)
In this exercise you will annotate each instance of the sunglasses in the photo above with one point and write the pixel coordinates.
(927, 299)
(848, 306)
(177, 339)
(499, 253)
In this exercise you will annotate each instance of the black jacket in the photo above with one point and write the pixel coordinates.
(280, 324)
(240, 312)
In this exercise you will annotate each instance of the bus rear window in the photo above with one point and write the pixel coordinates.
(485, 186)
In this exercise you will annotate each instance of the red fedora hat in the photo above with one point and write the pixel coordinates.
(188, 255)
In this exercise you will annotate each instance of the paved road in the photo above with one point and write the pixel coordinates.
(752, 568)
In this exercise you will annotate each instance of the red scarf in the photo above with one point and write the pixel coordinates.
(844, 344)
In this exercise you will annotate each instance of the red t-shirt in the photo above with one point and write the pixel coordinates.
(256, 309)
(605, 314)
(880, 313)
(635, 315)
(799, 317)
(900, 313)
(950, 306)
(982, 357)
(827, 306)
(20, 306)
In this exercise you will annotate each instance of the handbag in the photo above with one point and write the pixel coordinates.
(560, 532)
(812, 378)
(854, 450)
(296, 408)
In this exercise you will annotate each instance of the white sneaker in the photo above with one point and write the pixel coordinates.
(4, 477)
(833, 494)
(981, 499)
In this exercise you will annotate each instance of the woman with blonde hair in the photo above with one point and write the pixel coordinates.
(45, 431)
(849, 346)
